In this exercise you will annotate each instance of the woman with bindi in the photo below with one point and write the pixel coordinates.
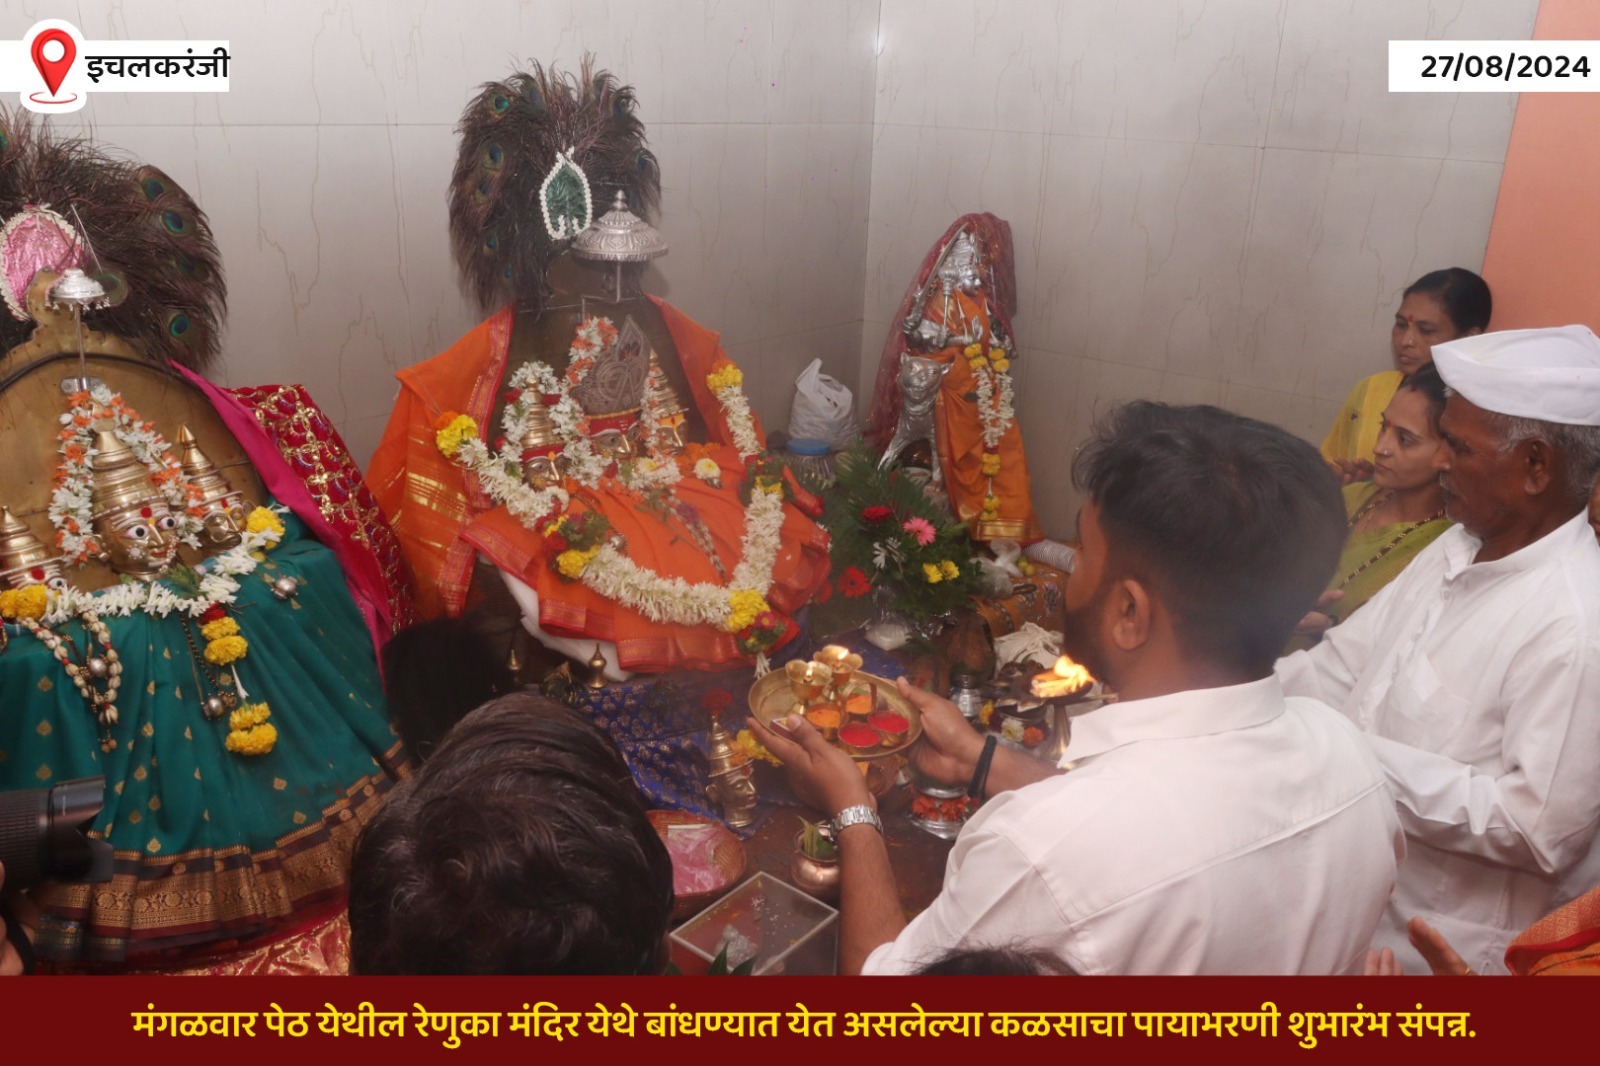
(1397, 513)
(1437, 307)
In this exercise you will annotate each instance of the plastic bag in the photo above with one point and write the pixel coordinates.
(823, 408)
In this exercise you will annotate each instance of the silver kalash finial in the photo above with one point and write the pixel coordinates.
(619, 236)
(77, 290)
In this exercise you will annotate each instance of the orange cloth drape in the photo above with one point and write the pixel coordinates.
(444, 519)
(427, 498)
(1564, 942)
(961, 447)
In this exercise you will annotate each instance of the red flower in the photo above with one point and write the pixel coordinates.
(499, 443)
(717, 700)
(513, 395)
(877, 513)
(766, 620)
(215, 613)
(558, 543)
(853, 583)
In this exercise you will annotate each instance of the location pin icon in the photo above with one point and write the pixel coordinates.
(54, 71)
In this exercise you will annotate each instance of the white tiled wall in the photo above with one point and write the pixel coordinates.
(324, 170)
(1213, 200)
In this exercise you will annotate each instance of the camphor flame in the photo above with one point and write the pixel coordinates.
(1066, 678)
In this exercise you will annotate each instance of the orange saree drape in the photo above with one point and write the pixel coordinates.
(444, 519)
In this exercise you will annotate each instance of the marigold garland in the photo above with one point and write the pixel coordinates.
(29, 602)
(264, 520)
(225, 651)
(222, 627)
(603, 565)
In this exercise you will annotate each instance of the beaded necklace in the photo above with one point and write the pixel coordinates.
(1411, 528)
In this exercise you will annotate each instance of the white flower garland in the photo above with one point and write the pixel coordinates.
(675, 601)
(72, 500)
(610, 573)
(501, 478)
(996, 411)
(740, 423)
(218, 584)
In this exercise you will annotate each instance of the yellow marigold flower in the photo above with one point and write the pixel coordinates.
(30, 601)
(225, 650)
(991, 464)
(932, 573)
(949, 569)
(222, 627)
(726, 376)
(1000, 363)
(572, 562)
(977, 364)
(770, 485)
(987, 712)
(743, 607)
(264, 520)
(449, 438)
(249, 716)
(754, 748)
(257, 740)
(973, 351)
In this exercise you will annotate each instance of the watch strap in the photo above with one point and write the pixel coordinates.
(859, 814)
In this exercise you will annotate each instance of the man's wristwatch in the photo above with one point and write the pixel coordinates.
(857, 815)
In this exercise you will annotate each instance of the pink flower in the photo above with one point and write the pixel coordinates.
(922, 529)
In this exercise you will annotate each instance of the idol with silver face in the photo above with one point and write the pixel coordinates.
(137, 531)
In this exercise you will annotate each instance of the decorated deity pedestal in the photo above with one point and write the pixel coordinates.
(594, 444)
(185, 614)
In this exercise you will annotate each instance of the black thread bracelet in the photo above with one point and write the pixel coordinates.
(980, 775)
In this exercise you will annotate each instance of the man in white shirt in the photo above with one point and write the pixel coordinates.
(1206, 824)
(1476, 672)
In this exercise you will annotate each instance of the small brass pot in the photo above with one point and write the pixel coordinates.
(814, 877)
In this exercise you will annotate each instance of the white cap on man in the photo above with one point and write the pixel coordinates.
(1552, 375)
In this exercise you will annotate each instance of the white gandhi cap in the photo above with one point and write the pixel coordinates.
(1552, 375)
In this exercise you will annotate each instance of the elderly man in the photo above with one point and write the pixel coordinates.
(1208, 824)
(1476, 673)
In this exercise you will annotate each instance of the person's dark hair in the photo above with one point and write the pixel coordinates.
(995, 962)
(1427, 382)
(1235, 524)
(521, 847)
(1464, 296)
(433, 674)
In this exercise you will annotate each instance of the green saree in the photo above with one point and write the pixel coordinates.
(1374, 557)
(212, 848)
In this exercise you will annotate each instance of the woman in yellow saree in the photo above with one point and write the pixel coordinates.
(1437, 307)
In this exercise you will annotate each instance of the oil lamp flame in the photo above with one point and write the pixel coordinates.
(1066, 678)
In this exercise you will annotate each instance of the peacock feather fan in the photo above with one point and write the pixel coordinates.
(511, 134)
(149, 243)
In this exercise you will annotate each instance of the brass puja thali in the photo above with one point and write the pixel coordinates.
(861, 713)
